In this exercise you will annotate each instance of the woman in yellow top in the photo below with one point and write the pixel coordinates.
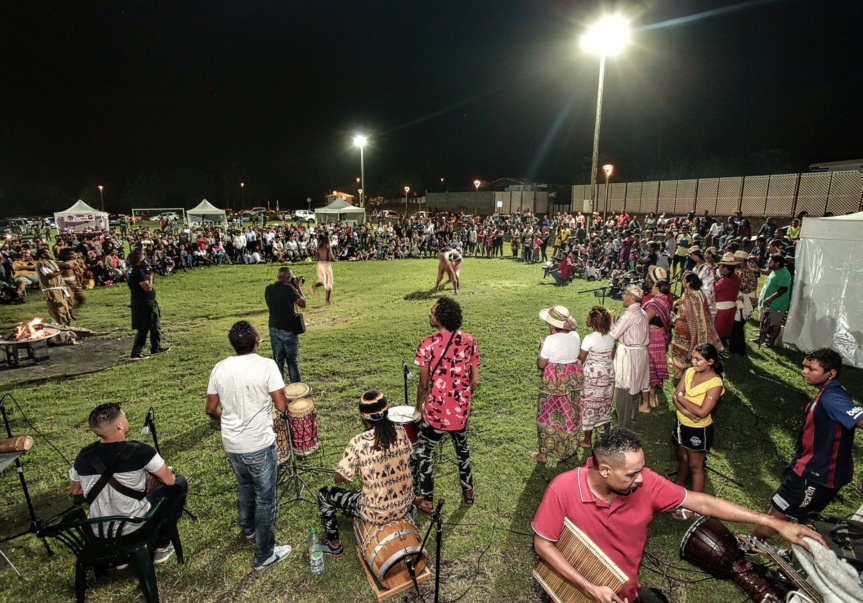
(695, 398)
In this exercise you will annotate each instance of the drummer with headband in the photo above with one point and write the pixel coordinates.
(380, 457)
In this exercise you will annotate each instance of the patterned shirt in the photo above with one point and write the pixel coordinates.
(448, 403)
(388, 484)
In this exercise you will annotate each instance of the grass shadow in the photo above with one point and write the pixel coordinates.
(421, 295)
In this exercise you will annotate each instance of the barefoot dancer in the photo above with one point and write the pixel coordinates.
(449, 262)
(324, 256)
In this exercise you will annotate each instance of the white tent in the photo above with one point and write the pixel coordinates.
(827, 296)
(340, 211)
(207, 212)
(81, 217)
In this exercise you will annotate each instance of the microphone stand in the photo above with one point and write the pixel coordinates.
(603, 289)
(150, 427)
(437, 523)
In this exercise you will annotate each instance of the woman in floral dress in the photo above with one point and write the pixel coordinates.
(597, 356)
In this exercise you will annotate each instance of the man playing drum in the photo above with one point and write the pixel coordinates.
(241, 393)
(612, 499)
(380, 457)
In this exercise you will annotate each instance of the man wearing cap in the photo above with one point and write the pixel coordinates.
(241, 394)
(631, 363)
(380, 457)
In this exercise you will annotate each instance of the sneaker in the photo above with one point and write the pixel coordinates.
(328, 548)
(159, 351)
(279, 553)
(139, 357)
(163, 554)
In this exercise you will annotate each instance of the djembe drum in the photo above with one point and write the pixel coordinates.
(303, 424)
(712, 547)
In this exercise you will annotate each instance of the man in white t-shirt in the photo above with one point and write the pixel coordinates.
(247, 386)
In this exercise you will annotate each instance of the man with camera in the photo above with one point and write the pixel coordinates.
(284, 321)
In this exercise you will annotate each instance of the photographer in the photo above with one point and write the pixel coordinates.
(281, 297)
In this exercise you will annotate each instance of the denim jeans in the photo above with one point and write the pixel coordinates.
(257, 475)
(175, 497)
(286, 348)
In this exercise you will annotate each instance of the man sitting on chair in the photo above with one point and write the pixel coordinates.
(112, 475)
(380, 456)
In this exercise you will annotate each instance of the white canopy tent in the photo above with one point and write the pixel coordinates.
(81, 217)
(827, 294)
(206, 212)
(340, 211)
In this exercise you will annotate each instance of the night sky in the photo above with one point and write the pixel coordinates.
(211, 93)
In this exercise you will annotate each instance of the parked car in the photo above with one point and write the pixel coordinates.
(116, 219)
(388, 213)
(305, 215)
(168, 215)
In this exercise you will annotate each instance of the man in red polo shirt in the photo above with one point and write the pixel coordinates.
(612, 499)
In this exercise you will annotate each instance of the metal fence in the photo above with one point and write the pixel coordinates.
(776, 195)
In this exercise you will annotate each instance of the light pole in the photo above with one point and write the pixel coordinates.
(407, 190)
(243, 190)
(101, 198)
(608, 37)
(607, 168)
(360, 141)
(476, 184)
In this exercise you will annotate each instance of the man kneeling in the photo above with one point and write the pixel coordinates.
(380, 456)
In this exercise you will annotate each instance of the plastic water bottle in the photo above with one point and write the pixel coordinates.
(316, 553)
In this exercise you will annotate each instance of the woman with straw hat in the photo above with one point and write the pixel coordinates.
(727, 288)
(558, 416)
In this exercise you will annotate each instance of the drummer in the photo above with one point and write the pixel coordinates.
(612, 499)
(380, 457)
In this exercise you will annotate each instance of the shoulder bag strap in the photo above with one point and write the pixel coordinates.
(437, 364)
(107, 473)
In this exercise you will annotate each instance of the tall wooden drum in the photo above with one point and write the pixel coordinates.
(385, 547)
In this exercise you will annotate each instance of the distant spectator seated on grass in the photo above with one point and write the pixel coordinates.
(561, 270)
(112, 475)
(24, 272)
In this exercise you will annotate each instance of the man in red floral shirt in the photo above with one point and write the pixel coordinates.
(449, 371)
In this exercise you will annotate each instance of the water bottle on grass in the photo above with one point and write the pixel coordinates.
(316, 553)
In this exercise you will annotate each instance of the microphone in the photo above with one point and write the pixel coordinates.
(408, 372)
(148, 422)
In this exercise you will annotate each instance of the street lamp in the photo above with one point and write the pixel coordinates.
(360, 141)
(608, 37)
(407, 190)
(476, 184)
(607, 168)
(243, 189)
(101, 197)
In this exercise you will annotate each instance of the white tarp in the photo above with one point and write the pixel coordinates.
(81, 217)
(827, 297)
(340, 211)
(207, 212)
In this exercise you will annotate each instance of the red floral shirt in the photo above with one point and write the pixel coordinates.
(448, 404)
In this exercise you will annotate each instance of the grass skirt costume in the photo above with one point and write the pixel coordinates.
(558, 417)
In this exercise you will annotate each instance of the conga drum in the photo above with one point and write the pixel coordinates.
(384, 547)
(303, 424)
(297, 390)
(404, 416)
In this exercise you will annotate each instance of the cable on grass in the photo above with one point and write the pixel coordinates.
(36, 429)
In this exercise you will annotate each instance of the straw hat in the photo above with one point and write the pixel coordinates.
(558, 316)
(740, 256)
(635, 291)
(695, 248)
(712, 251)
(728, 259)
(657, 274)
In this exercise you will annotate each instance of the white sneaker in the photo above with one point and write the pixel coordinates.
(279, 553)
(163, 554)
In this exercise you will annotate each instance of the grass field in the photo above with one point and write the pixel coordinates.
(379, 315)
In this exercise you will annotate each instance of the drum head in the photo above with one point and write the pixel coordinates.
(301, 407)
(401, 414)
(297, 390)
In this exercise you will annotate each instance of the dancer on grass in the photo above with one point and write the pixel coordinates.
(597, 358)
(559, 413)
(324, 257)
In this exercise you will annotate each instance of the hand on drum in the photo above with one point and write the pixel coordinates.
(795, 532)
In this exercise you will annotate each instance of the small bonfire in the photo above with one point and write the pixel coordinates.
(28, 330)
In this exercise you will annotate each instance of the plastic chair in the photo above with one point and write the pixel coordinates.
(99, 542)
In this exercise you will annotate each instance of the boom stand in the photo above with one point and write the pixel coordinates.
(715, 472)
(603, 289)
(437, 523)
(34, 523)
(150, 427)
(289, 472)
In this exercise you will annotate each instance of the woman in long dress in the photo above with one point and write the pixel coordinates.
(746, 301)
(324, 257)
(693, 326)
(558, 414)
(707, 273)
(597, 358)
(727, 288)
(658, 311)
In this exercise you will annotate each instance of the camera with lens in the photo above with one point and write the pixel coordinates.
(299, 280)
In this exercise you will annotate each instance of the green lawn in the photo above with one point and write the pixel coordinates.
(380, 313)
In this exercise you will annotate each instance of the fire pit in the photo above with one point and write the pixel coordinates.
(30, 337)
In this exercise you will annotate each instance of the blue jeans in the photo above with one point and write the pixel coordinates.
(257, 475)
(176, 498)
(286, 348)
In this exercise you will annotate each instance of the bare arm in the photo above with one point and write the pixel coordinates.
(212, 407)
(75, 488)
(706, 504)
(582, 355)
(422, 387)
(541, 362)
(706, 408)
(165, 475)
(549, 553)
(474, 376)
(338, 478)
